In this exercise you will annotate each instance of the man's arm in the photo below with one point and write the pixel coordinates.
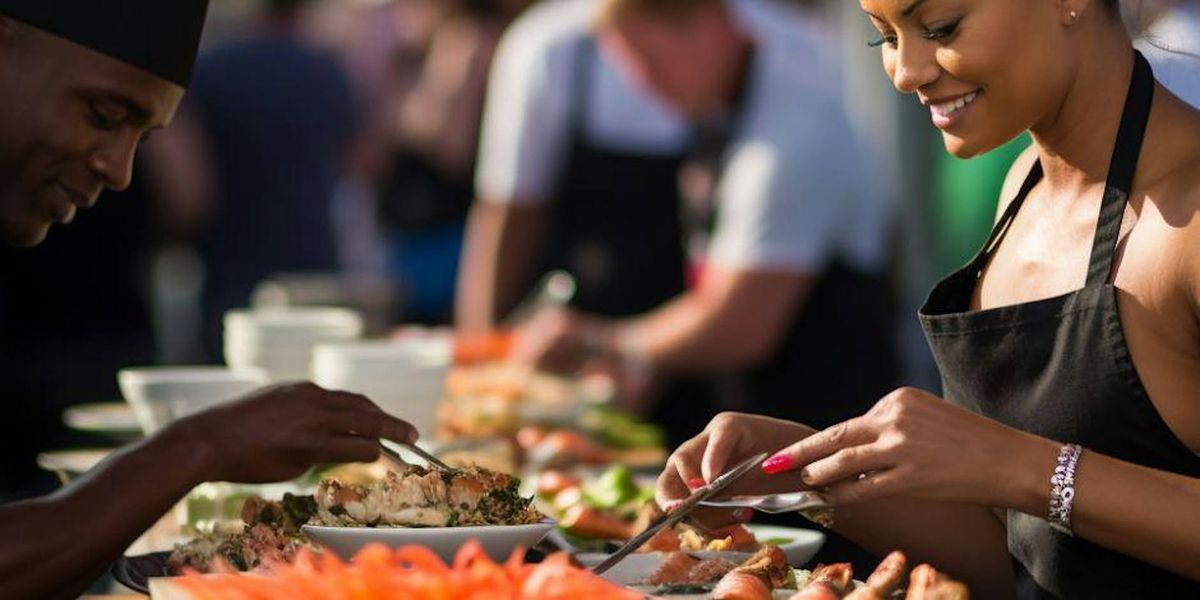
(54, 547)
(734, 319)
(59, 544)
(499, 254)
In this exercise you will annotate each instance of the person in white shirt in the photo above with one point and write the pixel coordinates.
(592, 104)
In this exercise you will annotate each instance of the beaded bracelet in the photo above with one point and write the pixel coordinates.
(1062, 488)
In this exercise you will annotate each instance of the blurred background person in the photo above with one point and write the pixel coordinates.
(788, 290)
(421, 66)
(249, 169)
(578, 168)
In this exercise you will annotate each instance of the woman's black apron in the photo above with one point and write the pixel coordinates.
(1060, 368)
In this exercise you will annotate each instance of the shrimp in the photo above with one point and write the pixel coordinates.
(674, 569)
(887, 576)
(928, 584)
(741, 586)
(827, 582)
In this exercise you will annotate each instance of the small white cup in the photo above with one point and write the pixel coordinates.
(160, 395)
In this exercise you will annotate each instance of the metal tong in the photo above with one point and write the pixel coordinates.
(678, 513)
(775, 503)
(430, 459)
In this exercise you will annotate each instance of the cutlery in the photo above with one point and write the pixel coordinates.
(775, 503)
(679, 512)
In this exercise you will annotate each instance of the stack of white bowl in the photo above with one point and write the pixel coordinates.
(406, 378)
(281, 340)
(160, 395)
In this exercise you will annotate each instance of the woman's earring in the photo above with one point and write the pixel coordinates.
(1074, 15)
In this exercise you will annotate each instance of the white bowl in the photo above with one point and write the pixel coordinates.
(293, 323)
(160, 395)
(498, 541)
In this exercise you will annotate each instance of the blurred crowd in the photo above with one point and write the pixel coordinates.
(733, 238)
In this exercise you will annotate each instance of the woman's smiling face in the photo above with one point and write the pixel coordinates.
(986, 69)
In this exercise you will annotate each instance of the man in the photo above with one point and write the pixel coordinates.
(81, 84)
(790, 299)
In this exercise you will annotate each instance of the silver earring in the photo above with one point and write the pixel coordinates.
(1074, 15)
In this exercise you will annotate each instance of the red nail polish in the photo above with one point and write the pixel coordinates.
(778, 464)
(743, 515)
(696, 483)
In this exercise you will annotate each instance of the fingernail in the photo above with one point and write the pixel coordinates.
(806, 476)
(777, 464)
(743, 515)
(672, 505)
(696, 483)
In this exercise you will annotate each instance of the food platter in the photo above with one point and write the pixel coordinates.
(799, 545)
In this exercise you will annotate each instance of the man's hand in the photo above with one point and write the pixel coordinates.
(278, 432)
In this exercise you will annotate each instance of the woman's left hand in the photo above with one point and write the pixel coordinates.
(915, 444)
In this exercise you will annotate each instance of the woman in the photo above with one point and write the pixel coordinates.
(1052, 388)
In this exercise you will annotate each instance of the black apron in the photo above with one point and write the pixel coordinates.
(616, 226)
(1060, 368)
(616, 223)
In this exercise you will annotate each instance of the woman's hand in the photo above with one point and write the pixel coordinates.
(915, 444)
(727, 440)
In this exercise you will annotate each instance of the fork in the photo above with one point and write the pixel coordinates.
(775, 503)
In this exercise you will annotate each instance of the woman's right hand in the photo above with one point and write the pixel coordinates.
(727, 440)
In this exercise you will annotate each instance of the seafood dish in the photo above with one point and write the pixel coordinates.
(421, 497)
(270, 533)
(411, 572)
(766, 573)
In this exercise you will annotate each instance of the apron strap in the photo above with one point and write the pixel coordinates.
(581, 85)
(1121, 171)
(1005, 220)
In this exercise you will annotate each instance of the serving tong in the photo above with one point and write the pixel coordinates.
(429, 459)
(775, 503)
(682, 510)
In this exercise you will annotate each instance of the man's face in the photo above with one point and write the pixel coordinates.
(70, 122)
(682, 61)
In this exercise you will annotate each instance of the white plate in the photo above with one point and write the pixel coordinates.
(498, 540)
(637, 568)
(72, 462)
(113, 418)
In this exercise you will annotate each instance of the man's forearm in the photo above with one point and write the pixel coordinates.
(55, 546)
(501, 246)
(732, 321)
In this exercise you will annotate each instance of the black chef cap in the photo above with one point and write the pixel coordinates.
(158, 36)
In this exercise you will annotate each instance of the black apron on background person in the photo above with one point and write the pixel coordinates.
(616, 217)
(1060, 368)
(616, 227)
